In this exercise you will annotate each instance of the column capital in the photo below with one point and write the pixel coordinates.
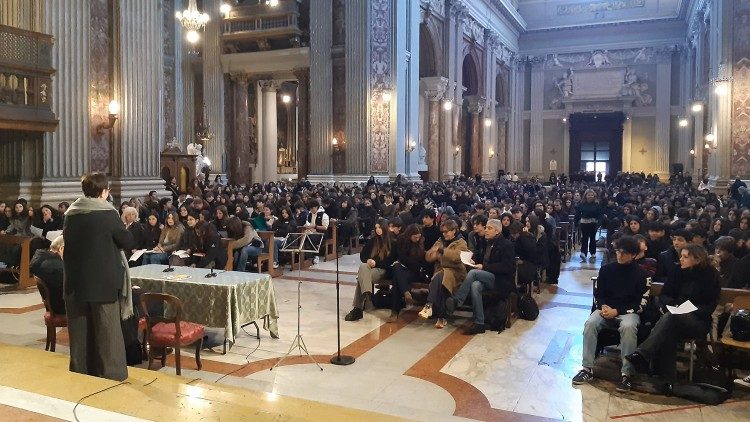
(434, 88)
(241, 78)
(269, 85)
(476, 103)
(301, 73)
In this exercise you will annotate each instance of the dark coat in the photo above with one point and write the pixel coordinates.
(49, 267)
(700, 285)
(500, 260)
(94, 271)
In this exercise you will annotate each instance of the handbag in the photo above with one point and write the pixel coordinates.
(528, 308)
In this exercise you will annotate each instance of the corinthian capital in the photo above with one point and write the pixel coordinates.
(476, 104)
(270, 85)
(434, 88)
(241, 78)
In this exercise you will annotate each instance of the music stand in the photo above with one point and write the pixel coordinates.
(299, 243)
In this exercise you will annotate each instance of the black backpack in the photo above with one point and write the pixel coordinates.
(496, 315)
(527, 308)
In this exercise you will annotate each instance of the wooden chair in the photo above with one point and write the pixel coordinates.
(162, 332)
(329, 245)
(269, 257)
(52, 320)
(739, 302)
(22, 272)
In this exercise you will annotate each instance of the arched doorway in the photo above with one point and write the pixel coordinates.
(427, 57)
(430, 149)
(471, 158)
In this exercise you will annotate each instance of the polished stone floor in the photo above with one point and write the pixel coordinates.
(410, 369)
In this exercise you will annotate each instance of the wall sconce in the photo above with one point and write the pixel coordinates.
(114, 110)
(565, 120)
(225, 8)
(722, 81)
(286, 99)
(487, 122)
(447, 105)
(683, 122)
(336, 145)
(456, 151)
(692, 152)
(492, 153)
(411, 146)
(697, 107)
(386, 97)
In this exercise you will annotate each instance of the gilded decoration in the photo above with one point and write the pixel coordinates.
(380, 80)
(100, 88)
(740, 161)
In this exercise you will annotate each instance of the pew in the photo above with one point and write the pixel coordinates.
(23, 272)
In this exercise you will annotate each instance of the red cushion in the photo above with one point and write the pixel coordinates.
(163, 334)
(56, 321)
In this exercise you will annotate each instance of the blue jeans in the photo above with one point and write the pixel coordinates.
(475, 283)
(156, 258)
(241, 256)
(276, 246)
(626, 324)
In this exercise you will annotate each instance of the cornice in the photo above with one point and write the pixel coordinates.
(605, 25)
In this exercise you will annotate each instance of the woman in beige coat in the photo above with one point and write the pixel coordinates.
(450, 272)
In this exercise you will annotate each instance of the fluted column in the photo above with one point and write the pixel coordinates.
(627, 145)
(270, 131)
(321, 123)
(213, 85)
(476, 106)
(698, 145)
(67, 150)
(515, 141)
(357, 91)
(536, 145)
(434, 90)
(239, 161)
(24, 14)
(303, 125)
(663, 114)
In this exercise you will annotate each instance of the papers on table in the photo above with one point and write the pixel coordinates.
(466, 258)
(685, 308)
(181, 253)
(137, 254)
(177, 277)
(54, 234)
(51, 235)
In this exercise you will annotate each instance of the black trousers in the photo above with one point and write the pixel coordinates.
(402, 279)
(661, 345)
(96, 343)
(588, 238)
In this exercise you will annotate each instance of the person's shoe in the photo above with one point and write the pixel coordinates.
(745, 382)
(441, 323)
(474, 329)
(584, 376)
(450, 306)
(354, 315)
(393, 317)
(426, 312)
(592, 259)
(408, 299)
(275, 265)
(316, 260)
(624, 386)
(583, 257)
(640, 363)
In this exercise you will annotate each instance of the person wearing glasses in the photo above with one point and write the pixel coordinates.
(96, 283)
(622, 292)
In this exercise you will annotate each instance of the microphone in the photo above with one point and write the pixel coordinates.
(168, 269)
(211, 267)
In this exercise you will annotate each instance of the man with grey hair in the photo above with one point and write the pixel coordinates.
(494, 270)
(48, 265)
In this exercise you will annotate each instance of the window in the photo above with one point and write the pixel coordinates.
(595, 157)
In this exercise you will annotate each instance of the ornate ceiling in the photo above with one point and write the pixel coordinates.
(556, 14)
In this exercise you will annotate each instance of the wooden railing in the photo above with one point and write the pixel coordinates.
(260, 24)
(26, 80)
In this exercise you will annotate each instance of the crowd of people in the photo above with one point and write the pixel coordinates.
(693, 241)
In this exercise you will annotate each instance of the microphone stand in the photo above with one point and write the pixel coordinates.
(339, 359)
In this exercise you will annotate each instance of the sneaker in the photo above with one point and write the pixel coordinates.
(584, 376)
(426, 312)
(583, 257)
(745, 382)
(450, 306)
(639, 361)
(474, 329)
(408, 299)
(592, 259)
(354, 315)
(275, 265)
(393, 317)
(441, 323)
(624, 385)
(316, 260)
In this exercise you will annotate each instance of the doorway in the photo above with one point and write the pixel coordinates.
(596, 143)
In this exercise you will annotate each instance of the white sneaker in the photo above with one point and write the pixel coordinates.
(316, 260)
(275, 265)
(745, 382)
(426, 312)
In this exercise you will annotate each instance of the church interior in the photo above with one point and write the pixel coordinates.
(305, 97)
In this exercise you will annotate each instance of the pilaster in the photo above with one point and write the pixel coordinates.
(663, 114)
(357, 92)
(434, 89)
(536, 166)
(269, 139)
(239, 157)
(213, 86)
(321, 78)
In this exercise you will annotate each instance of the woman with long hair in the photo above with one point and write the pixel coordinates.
(169, 239)
(377, 256)
(588, 217)
(20, 222)
(696, 281)
(410, 257)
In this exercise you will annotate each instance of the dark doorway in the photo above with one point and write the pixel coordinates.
(596, 142)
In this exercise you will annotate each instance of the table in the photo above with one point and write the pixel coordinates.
(231, 299)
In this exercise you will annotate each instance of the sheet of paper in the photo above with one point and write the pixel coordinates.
(466, 258)
(686, 308)
(137, 254)
(181, 253)
(52, 235)
(36, 231)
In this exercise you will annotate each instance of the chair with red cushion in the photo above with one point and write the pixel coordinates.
(162, 332)
(52, 320)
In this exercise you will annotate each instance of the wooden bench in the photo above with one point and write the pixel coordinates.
(330, 245)
(354, 245)
(23, 272)
(229, 245)
(269, 257)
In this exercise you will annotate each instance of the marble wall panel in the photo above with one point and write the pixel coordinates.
(381, 78)
(100, 87)
(168, 10)
(740, 161)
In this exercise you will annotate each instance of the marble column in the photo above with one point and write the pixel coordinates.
(434, 90)
(515, 138)
(627, 144)
(698, 144)
(565, 165)
(239, 162)
(321, 125)
(536, 166)
(357, 91)
(213, 86)
(303, 125)
(270, 131)
(476, 106)
(24, 14)
(684, 134)
(663, 114)
(721, 104)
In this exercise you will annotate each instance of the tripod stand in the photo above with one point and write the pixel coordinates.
(299, 243)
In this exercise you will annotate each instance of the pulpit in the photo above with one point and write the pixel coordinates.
(178, 164)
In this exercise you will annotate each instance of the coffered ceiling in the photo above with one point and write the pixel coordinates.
(557, 14)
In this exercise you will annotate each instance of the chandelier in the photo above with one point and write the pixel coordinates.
(193, 21)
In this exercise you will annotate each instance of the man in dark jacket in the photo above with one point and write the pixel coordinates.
(669, 260)
(48, 265)
(621, 293)
(494, 271)
(95, 280)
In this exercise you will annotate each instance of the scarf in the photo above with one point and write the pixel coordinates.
(85, 206)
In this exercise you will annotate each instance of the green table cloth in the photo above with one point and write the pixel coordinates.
(230, 300)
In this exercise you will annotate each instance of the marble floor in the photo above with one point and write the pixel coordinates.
(410, 369)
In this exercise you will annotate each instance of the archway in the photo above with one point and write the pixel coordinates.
(431, 150)
(427, 56)
(471, 156)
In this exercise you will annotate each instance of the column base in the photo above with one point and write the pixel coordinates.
(345, 178)
(125, 188)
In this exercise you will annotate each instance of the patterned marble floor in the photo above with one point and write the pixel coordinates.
(410, 369)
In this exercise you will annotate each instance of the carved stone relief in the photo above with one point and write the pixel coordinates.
(380, 79)
(100, 88)
(740, 161)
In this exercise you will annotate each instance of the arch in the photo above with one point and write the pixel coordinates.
(470, 75)
(427, 53)
(501, 89)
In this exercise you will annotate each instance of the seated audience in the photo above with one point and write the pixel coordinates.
(48, 265)
(169, 240)
(408, 269)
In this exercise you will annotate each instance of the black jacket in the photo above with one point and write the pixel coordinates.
(384, 263)
(414, 261)
(49, 267)
(138, 231)
(431, 235)
(500, 259)
(623, 287)
(525, 248)
(94, 271)
(666, 266)
(740, 273)
(700, 285)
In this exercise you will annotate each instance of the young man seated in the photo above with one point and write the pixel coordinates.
(622, 292)
(494, 271)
